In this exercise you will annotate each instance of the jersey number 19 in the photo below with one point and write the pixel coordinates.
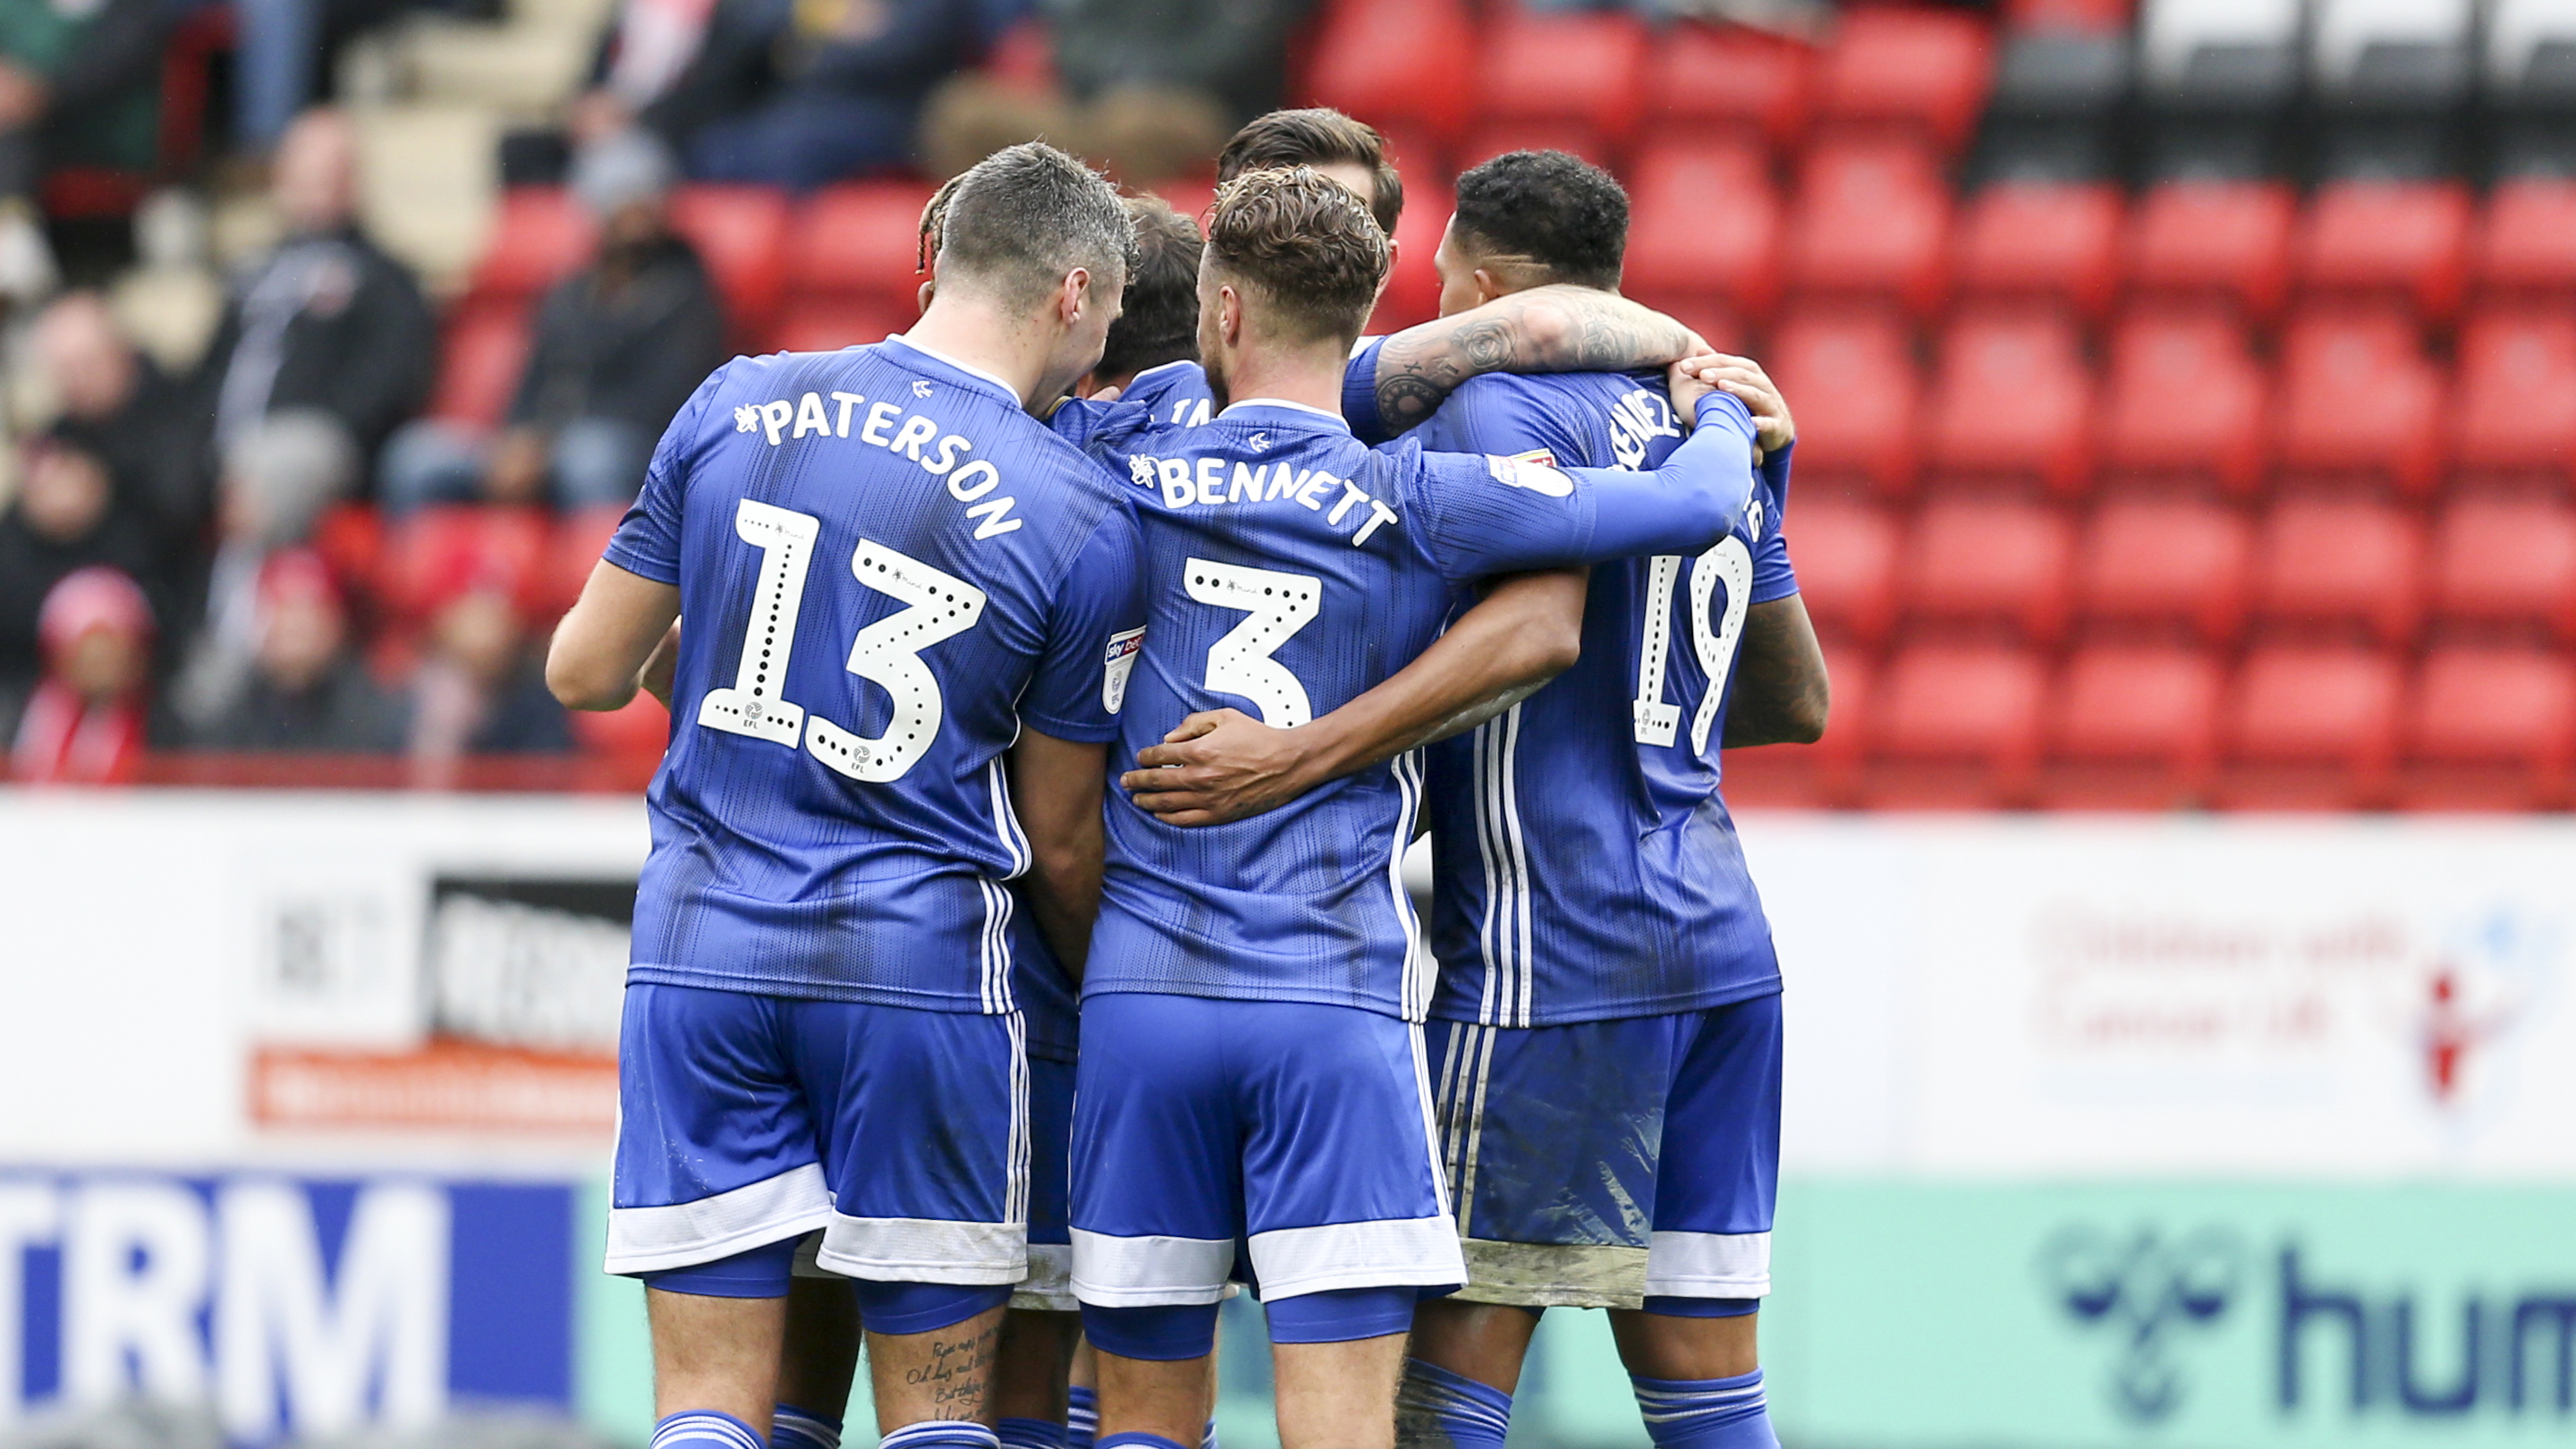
(1730, 563)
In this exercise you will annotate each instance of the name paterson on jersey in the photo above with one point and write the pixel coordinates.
(1290, 569)
(887, 569)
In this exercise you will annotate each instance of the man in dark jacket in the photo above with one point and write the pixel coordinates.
(306, 691)
(620, 345)
(325, 323)
(146, 428)
(66, 516)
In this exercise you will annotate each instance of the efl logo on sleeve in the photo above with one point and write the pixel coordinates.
(1535, 470)
(1117, 665)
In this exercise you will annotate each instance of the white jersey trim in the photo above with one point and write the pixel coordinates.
(1708, 1265)
(683, 1235)
(1149, 1271)
(926, 1250)
(1503, 934)
(1380, 1253)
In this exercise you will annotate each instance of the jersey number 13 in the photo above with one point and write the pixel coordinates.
(887, 653)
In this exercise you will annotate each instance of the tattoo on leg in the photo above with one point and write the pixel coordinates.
(956, 1373)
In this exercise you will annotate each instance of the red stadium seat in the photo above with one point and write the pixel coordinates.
(2507, 561)
(1846, 559)
(2166, 562)
(2516, 404)
(540, 236)
(2314, 727)
(1925, 68)
(2359, 397)
(2340, 563)
(1956, 725)
(1408, 62)
(1710, 78)
(2379, 238)
(1852, 372)
(435, 552)
(2223, 238)
(1704, 225)
(1809, 776)
(741, 234)
(2527, 240)
(831, 323)
(1871, 218)
(479, 360)
(1854, 676)
(2011, 396)
(858, 239)
(2098, 16)
(2061, 242)
(2186, 398)
(1588, 69)
(1975, 560)
(1413, 292)
(2493, 727)
(632, 739)
(1490, 139)
(2133, 725)
(570, 554)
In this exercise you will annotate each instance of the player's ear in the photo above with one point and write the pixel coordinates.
(1075, 293)
(928, 289)
(1487, 289)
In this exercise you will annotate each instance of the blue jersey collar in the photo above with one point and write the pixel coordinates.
(1009, 393)
(1277, 410)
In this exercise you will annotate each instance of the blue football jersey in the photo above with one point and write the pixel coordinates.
(886, 568)
(1175, 394)
(1290, 568)
(1585, 866)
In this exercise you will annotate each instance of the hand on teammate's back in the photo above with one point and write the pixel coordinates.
(1773, 428)
(1688, 380)
(1216, 766)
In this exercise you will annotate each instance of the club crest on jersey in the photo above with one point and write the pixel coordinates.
(1525, 472)
(1116, 665)
(1258, 442)
(921, 387)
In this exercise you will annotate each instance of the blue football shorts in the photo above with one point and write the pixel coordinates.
(1302, 1131)
(1597, 1164)
(744, 1120)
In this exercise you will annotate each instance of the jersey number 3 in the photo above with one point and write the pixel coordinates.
(887, 653)
(1730, 563)
(1239, 663)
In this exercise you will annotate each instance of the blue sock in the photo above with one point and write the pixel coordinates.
(704, 1429)
(941, 1434)
(1137, 1441)
(793, 1428)
(1030, 1434)
(1437, 1409)
(1081, 1416)
(1706, 1413)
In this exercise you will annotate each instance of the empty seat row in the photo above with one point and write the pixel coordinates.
(2168, 724)
(2503, 565)
(1440, 70)
(2011, 393)
(1876, 217)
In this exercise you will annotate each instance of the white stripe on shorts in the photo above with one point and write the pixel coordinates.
(1708, 1265)
(925, 1250)
(1383, 1253)
(684, 1235)
(1149, 1271)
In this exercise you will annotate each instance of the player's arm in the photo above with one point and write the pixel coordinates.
(1056, 789)
(1781, 693)
(1555, 328)
(1222, 765)
(600, 648)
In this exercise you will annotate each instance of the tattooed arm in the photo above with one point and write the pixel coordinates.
(1555, 328)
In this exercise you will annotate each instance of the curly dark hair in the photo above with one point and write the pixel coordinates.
(1160, 321)
(1548, 210)
(1306, 244)
(1317, 136)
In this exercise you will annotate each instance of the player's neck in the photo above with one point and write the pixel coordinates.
(1309, 375)
(982, 335)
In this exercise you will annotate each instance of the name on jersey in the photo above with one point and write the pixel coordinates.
(888, 426)
(1206, 483)
(1636, 420)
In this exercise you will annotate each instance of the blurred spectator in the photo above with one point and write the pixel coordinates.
(787, 92)
(86, 721)
(307, 691)
(1151, 87)
(79, 84)
(619, 347)
(278, 480)
(66, 518)
(122, 409)
(325, 325)
(481, 686)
